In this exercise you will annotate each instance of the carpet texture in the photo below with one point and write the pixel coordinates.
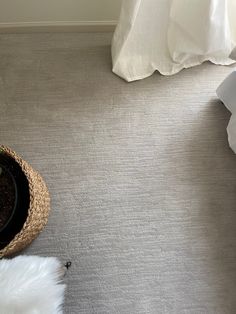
(142, 181)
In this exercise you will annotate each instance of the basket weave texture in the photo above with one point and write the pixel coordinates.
(38, 211)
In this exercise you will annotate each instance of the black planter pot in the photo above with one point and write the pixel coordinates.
(18, 213)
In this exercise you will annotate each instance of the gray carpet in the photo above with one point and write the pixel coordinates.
(142, 181)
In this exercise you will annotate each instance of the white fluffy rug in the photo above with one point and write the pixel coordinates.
(31, 285)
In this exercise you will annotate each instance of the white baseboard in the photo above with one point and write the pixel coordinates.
(58, 26)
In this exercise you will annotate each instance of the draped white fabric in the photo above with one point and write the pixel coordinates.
(169, 35)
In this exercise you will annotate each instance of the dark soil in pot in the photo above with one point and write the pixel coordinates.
(7, 196)
(14, 199)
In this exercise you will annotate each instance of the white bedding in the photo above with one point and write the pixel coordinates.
(227, 94)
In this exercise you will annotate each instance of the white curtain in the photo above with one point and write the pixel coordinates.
(169, 35)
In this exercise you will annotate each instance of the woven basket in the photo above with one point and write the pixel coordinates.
(39, 207)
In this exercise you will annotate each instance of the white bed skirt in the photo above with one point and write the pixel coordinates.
(169, 35)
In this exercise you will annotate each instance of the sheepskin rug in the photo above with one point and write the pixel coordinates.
(31, 285)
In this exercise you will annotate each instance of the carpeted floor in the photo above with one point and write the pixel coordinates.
(142, 181)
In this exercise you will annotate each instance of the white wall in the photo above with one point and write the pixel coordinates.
(36, 11)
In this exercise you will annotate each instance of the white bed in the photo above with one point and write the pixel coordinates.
(227, 93)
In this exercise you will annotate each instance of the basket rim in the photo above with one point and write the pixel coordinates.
(31, 176)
